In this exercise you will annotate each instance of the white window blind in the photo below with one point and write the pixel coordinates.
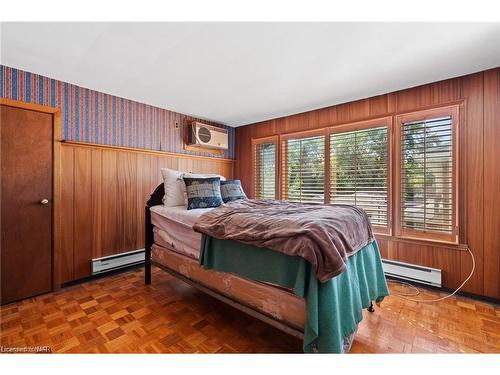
(265, 171)
(427, 175)
(358, 171)
(303, 176)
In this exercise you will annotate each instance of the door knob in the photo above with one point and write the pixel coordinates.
(44, 201)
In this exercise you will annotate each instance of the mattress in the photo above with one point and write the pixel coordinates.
(177, 247)
(173, 229)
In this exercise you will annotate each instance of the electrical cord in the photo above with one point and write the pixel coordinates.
(417, 291)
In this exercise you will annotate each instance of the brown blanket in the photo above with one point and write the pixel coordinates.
(324, 235)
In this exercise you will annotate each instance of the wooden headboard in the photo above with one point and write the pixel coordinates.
(156, 197)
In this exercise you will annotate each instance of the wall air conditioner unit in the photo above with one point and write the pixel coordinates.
(412, 272)
(207, 136)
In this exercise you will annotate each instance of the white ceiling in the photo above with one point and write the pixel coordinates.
(240, 73)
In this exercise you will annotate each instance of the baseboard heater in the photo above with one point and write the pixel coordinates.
(412, 272)
(113, 262)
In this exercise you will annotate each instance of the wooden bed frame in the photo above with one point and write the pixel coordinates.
(157, 199)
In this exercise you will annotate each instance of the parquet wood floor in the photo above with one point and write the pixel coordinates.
(119, 314)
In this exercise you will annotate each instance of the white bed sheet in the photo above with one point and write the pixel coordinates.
(173, 228)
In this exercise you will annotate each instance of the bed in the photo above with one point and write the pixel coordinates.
(276, 288)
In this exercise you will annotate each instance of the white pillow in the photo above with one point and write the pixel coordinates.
(202, 175)
(174, 187)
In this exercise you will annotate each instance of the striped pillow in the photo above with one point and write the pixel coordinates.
(203, 192)
(231, 190)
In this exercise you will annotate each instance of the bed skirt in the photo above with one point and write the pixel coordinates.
(334, 308)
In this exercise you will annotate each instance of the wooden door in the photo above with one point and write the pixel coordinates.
(26, 203)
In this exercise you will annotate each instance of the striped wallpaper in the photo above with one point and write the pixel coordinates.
(94, 117)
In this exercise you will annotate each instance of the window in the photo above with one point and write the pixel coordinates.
(359, 166)
(265, 169)
(427, 164)
(402, 170)
(303, 161)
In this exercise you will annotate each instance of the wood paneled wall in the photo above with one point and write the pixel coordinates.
(491, 183)
(104, 190)
(479, 196)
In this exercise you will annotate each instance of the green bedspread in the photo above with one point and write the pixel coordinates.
(334, 308)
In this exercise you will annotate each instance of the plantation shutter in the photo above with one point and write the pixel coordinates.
(303, 178)
(427, 175)
(358, 171)
(265, 171)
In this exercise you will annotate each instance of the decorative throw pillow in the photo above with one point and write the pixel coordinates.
(203, 192)
(231, 190)
(196, 175)
(174, 187)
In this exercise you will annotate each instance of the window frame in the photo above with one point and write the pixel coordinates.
(424, 115)
(393, 122)
(266, 140)
(301, 135)
(379, 122)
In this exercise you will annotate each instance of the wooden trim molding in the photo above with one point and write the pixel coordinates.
(146, 151)
(378, 122)
(212, 151)
(328, 172)
(29, 106)
(56, 181)
(423, 242)
(302, 134)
